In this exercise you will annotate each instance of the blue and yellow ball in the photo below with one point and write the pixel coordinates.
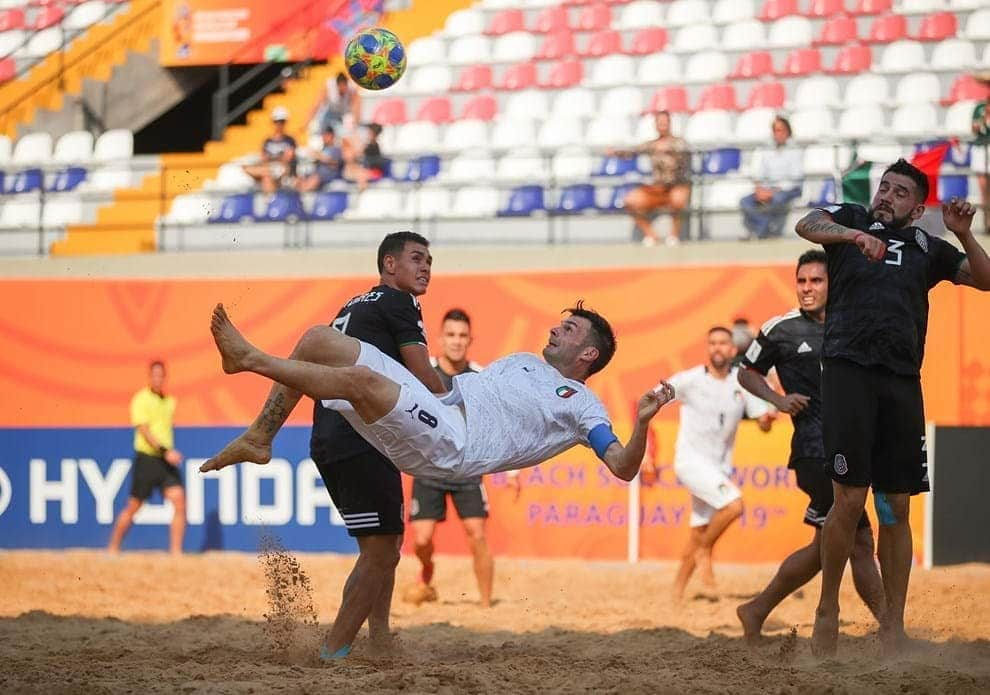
(375, 58)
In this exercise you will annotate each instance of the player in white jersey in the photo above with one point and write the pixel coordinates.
(519, 411)
(712, 405)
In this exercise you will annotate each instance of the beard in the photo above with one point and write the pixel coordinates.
(895, 222)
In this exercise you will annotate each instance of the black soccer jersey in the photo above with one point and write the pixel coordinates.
(877, 312)
(386, 318)
(793, 344)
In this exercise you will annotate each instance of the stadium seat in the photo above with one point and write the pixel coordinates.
(522, 165)
(918, 88)
(524, 201)
(47, 16)
(966, 4)
(33, 148)
(639, 14)
(419, 169)
(284, 206)
(851, 60)
(469, 50)
(866, 89)
(825, 9)
(959, 119)
(978, 26)
(24, 181)
(612, 70)
(900, 57)
(473, 79)
(114, 145)
(602, 43)
(770, 95)
(375, 203)
(708, 128)
(914, 120)
(722, 160)
(811, 125)
(615, 166)
(594, 17)
(861, 122)
(719, 96)
(698, 37)
(730, 11)
(41, 43)
(953, 186)
(682, 13)
(483, 107)
(887, 28)
(66, 180)
(673, 99)
(869, 152)
(659, 68)
(608, 131)
(506, 21)
(775, 9)
(790, 32)
(837, 31)
(465, 22)
(753, 65)
(919, 6)
(109, 178)
(435, 110)
(573, 103)
(820, 193)
(11, 41)
(572, 164)
(432, 79)
(645, 127)
(230, 177)
(238, 207)
(429, 202)
(466, 134)
(514, 48)
(706, 66)
(551, 19)
(426, 51)
(24, 212)
(560, 132)
(864, 7)
(75, 147)
(474, 202)
(937, 27)
(8, 69)
(189, 209)
(11, 19)
(528, 105)
(753, 126)
(724, 194)
(648, 40)
(953, 55)
(389, 111)
(743, 35)
(417, 137)
(817, 92)
(517, 77)
(86, 14)
(509, 134)
(964, 87)
(615, 198)
(826, 159)
(559, 44)
(621, 102)
(6, 148)
(576, 198)
(564, 75)
(801, 62)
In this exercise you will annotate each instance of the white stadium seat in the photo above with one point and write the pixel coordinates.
(21, 211)
(572, 164)
(509, 134)
(978, 25)
(826, 160)
(640, 14)
(432, 79)
(914, 120)
(621, 101)
(464, 23)
(33, 148)
(612, 70)
(743, 35)
(867, 89)
(694, 38)
(577, 103)
(560, 132)
(919, 88)
(190, 208)
(428, 202)
(61, 210)
(959, 119)
(469, 167)
(790, 32)
(468, 50)
(6, 147)
(114, 145)
(953, 54)
(753, 126)
(522, 165)
(810, 125)
(85, 15)
(706, 66)
(375, 203)
(730, 11)
(528, 105)
(608, 131)
(817, 91)
(869, 152)
(109, 178)
(659, 69)
(426, 50)
(463, 135)
(74, 147)
(230, 177)
(861, 122)
(901, 56)
(42, 43)
(966, 4)
(517, 47)
(723, 194)
(474, 201)
(919, 6)
(418, 136)
(11, 40)
(646, 128)
(708, 128)
(681, 13)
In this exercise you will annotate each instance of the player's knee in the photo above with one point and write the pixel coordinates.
(735, 508)
(892, 510)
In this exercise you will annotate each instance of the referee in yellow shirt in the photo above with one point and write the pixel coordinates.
(156, 460)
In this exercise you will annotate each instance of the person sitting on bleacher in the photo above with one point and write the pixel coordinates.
(778, 172)
(329, 164)
(340, 101)
(371, 164)
(278, 156)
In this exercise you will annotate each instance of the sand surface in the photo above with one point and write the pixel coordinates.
(81, 621)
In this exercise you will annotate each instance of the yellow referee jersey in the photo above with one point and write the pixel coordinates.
(148, 408)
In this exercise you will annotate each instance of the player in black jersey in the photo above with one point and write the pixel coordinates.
(792, 343)
(364, 485)
(880, 269)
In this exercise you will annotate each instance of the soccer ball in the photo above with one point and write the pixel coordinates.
(375, 58)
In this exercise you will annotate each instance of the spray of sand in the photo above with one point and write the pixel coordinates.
(291, 623)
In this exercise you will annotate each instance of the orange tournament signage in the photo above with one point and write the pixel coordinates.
(72, 352)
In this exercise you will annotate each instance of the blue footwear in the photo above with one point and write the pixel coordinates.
(325, 654)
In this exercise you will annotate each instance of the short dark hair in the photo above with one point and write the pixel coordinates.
(375, 128)
(393, 244)
(811, 256)
(720, 329)
(905, 168)
(661, 112)
(156, 363)
(786, 123)
(341, 78)
(456, 315)
(602, 335)
(328, 130)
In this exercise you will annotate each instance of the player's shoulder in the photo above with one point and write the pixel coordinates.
(780, 323)
(849, 210)
(401, 298)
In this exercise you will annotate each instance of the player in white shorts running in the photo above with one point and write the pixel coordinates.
(519, 411)
(712, 404)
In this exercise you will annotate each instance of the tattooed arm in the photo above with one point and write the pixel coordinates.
(818, 227)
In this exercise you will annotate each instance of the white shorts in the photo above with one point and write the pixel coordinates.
(420, 435)
(710, 489)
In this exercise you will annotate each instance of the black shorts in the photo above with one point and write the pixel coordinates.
(814, 481)
(874, 428)
(429, 501)
(151, 472)
(367, 491)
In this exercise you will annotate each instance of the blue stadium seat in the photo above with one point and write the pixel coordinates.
(615, 166)
(285, 206)
(721, 161)
(328, 205)
(953, 186)
(523, 201)
(25, 181)
(618, 194)
(235, 208)
(576, 198)
(67, 179)
(423, 168)
(826, 196)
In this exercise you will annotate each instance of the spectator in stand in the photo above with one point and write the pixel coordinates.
(370, 165)
(778, 173)
(981, 129)
(278, 155)
(329, 164)
(340, 100)
(671, 186)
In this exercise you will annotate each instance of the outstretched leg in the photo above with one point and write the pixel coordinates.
(718, 525)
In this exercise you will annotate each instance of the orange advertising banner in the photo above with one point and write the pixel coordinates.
(72, 352)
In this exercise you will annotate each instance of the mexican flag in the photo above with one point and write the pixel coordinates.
(859, 182)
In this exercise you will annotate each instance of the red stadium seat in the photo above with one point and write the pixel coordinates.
(559, 44)
(775, 9)
(872, 6)
(436, 110)
(887, 28)
(770, 95)
(389, 112)
(825, 8)
(852, 60)
(47, 17)
(522, 76)
(937, 27)
(566, 73)
(672, 99)
(482, 107)
(965, 88)
(11, 19)
(7, 69)
(648, 40)
(506, 21)
(602, 43)
(802, 61)
(755, 64)
(595, 17)
(552, 19)
(721, 97)
(474, 78)
(837, 31)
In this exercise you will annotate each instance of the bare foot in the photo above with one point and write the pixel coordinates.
(241, 450)
(234, 349)
(703, 561)
(825, 635)
(752, 622)
(893, 640)
(426, 574)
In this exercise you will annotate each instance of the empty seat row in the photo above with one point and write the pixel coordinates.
(76, 147)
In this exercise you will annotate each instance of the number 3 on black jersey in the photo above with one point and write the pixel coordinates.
(894, 247)
(340, 323)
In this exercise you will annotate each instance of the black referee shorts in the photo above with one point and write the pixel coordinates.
(429, 501)
(874, 428)
(150, 472)
(367, 491)
(814, 481)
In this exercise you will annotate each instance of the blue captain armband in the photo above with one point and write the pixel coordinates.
(600, 438)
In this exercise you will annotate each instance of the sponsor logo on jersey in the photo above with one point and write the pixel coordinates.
(803, 348)
(565, 391)
(840, 465)
(922, 239)
(875, 226)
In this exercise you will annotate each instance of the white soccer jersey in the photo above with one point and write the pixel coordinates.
(710, 413)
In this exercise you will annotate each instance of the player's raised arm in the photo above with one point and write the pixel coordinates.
(818, 227)
(624, 461)
(957, 215)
